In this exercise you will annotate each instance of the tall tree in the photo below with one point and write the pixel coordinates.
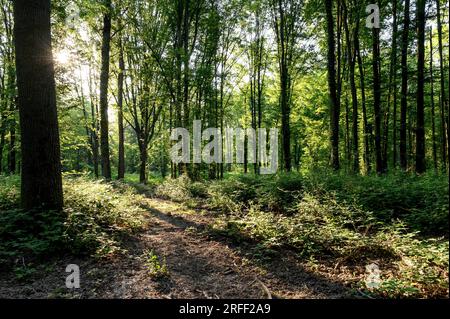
(41, 167)
(433, 112)
(376, 68)
(404, 89)
(443, 96)
(351, 57)
(392, 95)
(104, 80)
(121, 155)
(334, 105)
(420, 121)
(286, 19)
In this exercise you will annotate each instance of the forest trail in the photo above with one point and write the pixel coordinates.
(199, 265)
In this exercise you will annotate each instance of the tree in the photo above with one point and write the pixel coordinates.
(41, 167)
(286, 18)
(376, 69)
(404, 89)
(121, 155)
(334, 105)
(443, 96)
(420, 129)
(433, 112)
(104, 80)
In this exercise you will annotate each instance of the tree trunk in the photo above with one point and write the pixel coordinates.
(334, 106)
(433, 112)
(392, 91)
(443, 96)
(351, 56)
(104, 78)
(121, 164)
(377, 97)
(364, 110)
(404, 90)
(41, 184)
(420, 121)
(143, 164)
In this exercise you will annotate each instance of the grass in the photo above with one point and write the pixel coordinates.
(398, 222)
(95, 218)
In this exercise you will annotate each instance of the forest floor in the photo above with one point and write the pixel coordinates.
(190, 261)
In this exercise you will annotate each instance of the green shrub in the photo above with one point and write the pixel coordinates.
(95, 215)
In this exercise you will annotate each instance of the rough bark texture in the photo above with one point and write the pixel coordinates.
(41, 166)
(104, 79)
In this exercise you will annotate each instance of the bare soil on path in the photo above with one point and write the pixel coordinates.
(199, 263)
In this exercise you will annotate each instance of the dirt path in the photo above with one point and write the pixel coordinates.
(199, 264)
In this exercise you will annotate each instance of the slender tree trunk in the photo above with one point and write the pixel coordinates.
(284, 92)
(420, 122)
(363, 104)
(121, 166)
(377, 98)
(443, 96)
(334, 105)
(41, 184)
(404, 90)
(143, 164)
(392, 95)
(433, 113)
(351, 53)
(104, 79)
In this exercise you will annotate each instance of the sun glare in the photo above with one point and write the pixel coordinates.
(62, 57)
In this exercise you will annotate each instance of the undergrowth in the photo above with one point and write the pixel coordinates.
(95, 218)
(398, 222)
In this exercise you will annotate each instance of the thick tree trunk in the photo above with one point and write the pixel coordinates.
(334, 105)
(404, 90)
(420, 122)
(41, 166)
(104, 79)
(121, 166)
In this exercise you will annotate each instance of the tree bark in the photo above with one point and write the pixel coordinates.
(377, 98)
(433, 112)
(364, 110)
(404, 89)
(121, 164)
(420, 120)
(41, 185)
(334, 105)
(443, 96)
(104, 79)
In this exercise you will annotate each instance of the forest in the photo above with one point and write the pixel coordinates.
(347, 197)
